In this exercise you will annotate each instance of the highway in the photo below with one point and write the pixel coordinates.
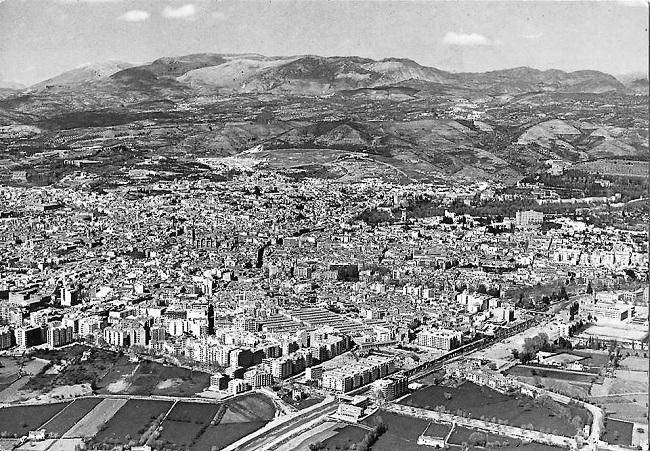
(272, 435)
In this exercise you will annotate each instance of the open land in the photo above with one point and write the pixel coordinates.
(484, 402)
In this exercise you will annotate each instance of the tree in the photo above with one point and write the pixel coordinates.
(477, 439)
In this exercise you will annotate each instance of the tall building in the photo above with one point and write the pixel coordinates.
(59, 334)
(445, 339)
(529, 218)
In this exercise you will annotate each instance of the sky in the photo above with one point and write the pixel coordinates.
(42, 38)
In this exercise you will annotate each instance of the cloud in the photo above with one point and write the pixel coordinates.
(88, 1)
(182, 12)
(464, 39)
(135, 15)
(532, 36)
(218, 15)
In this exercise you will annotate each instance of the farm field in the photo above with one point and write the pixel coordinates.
(89, 425)
(622, 396)
(71, 415)
(131, 421)
(223, 435)
(492, 405)
(19, 420)
(618, 432)
(185, 423)
(253, 407)
(402, 433)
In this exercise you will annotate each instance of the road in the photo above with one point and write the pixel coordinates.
(272, 434)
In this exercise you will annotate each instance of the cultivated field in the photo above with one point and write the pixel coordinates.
(19, 420)
(223, 435)
(253, 407)
(71, 415)
(402, 433)
(131, 421)
(89, 425)
(185, 423)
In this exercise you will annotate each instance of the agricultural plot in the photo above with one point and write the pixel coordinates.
(483, 402)
(131, 421)
(90, 424)
(70, 416)
(402, 433)
(223, 435)
(19, 420)
(185, 423)
(618, 432)
(249, 408)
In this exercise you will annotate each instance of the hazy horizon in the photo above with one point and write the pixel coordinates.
(40, 39)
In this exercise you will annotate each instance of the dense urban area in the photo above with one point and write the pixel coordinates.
(369, 278)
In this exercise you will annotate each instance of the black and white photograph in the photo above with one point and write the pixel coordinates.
(324, 225)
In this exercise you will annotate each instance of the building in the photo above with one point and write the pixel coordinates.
(219, 381)
(445, 339)
(115, 336)
(237, 386)
(314, 373)
(6, 337)
(29, 336)
(59, 334)
(247, 323)
(258, 378)
(529, 218)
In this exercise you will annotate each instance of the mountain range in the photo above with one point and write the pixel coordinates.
(329, 114)
(321, 75)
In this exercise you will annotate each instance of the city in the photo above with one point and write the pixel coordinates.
(322, 253)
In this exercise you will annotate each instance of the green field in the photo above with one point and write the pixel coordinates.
(152, 378)
(483, 402)
(402, 433)
(185, 423)
(74, 412)
(618, 432)
(462, 435)
(131, 421)
(19, 420)
(223, 435)
(345, 437)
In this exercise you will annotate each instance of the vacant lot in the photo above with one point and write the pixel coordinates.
(574, 376)
(402, 433)
(462, 435)
(618, 432)
(75, 371)
(223, 435)
(186, 422)
(345, 437)
(152, 378)
(131, 421)
(11, 391)
(483, 402)
(253, 407)
(89, 425)
(71, 415)
(22, 419)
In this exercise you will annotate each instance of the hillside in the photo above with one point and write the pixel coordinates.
(344, 118)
